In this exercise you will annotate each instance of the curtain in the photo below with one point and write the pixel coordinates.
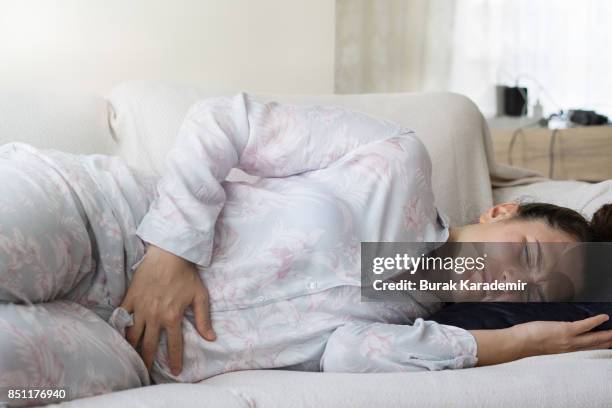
(378, 45)
(558, 49)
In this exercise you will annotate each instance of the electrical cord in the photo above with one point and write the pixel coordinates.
(551, 153)
(542, 123)
(519, 131)
(541, 89)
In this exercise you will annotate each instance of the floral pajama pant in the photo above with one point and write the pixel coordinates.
(67, 251)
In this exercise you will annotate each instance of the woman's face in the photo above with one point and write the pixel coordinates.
(529, 251)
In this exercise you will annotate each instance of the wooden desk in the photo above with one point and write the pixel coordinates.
(579, 153)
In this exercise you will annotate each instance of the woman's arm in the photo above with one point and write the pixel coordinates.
(381, 347)
(263, 139)
(538, 338)
(427, 345)
(268, 140)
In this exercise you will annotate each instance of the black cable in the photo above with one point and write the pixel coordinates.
(512, 141)
(551, 153)
(515, 135)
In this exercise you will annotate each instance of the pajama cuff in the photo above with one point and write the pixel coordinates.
(189, 244)
(463, 345)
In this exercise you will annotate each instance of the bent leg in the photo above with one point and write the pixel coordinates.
(45, 245)
(63, 344)
(67, 226)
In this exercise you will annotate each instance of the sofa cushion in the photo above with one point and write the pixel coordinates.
(566, 380)
(167, 395)
(72, 121)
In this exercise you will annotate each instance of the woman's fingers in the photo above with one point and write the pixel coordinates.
(586, 325)
(175, 349)
(201, 315)
(598, 347)
(601, 346)
(127, 304)
(134, 333)
(596, 339)
(149, 344)
(162, 293)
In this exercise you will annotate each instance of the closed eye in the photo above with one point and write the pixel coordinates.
(527, 256)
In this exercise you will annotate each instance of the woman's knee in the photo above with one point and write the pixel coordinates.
(62, 344)
(45, 248)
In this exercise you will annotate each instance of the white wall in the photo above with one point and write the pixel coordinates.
(284, 46)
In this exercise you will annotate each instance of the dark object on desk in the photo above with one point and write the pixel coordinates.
(515, 101)
(587, 117)
(499, 315)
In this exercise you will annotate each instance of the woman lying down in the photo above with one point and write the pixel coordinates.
(108, 277)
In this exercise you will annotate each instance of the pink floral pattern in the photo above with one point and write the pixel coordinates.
(67, 240)
(383, 347)
(280, 256)
(63, 344)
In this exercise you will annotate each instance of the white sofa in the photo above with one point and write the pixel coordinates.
(144, 119)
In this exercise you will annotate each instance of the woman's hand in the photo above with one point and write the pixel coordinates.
(540, 337)
(562, 337)
(163, 286)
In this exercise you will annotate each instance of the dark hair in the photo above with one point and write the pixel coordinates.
(597, 280)
(599, 229)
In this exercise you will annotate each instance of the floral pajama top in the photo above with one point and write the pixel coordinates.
(281, 256)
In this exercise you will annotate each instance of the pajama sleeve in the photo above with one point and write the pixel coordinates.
(381, 347)
(263, 139)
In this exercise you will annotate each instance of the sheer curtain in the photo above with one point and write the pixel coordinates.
(378, 45)
(559, 49)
